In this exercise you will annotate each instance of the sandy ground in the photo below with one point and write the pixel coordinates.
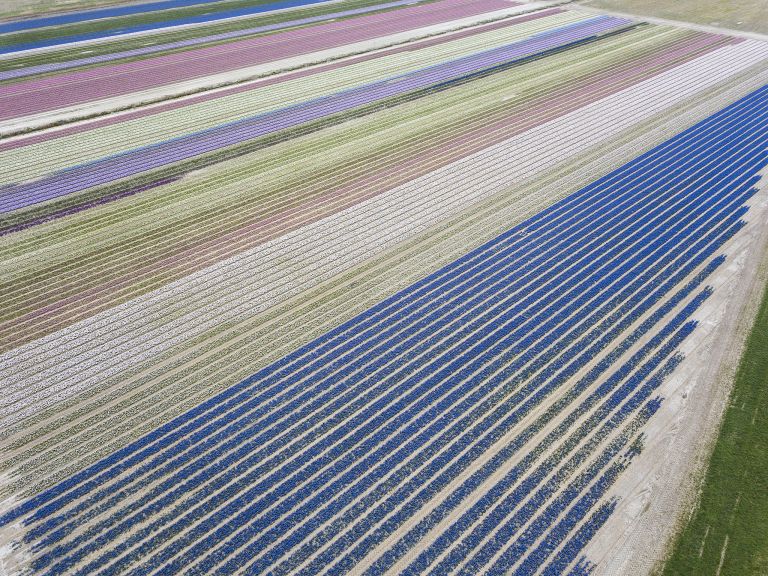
(745, 15)
(659, 490)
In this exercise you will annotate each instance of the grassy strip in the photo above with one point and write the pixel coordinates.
(123, 44)
(728, 532)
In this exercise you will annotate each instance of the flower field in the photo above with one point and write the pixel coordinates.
(355, 287)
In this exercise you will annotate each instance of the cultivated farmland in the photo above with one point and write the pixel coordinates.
(406, 287)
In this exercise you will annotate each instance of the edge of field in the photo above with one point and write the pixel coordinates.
(718, 525)
(722, 526)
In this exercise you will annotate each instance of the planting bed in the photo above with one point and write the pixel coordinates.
(436, 305)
